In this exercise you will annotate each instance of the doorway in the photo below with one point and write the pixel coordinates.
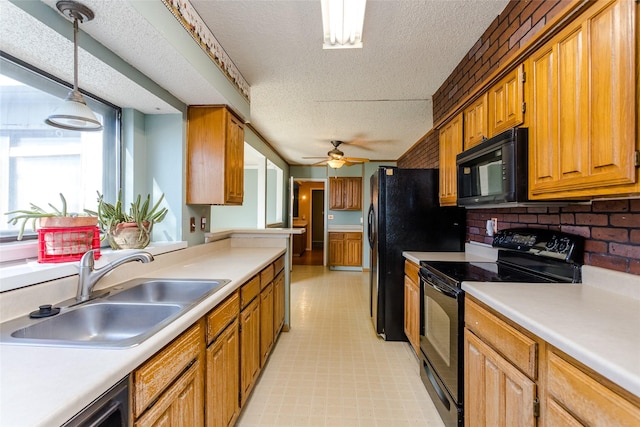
(308, 210)
(317, 219)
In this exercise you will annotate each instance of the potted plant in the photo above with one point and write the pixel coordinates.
(57, 218)
(130, 230)
(62, 235)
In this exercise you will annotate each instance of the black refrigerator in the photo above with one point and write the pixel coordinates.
(405, 215)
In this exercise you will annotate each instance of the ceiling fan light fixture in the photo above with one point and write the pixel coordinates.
(342, 22)
(336, 163)
(73, 113)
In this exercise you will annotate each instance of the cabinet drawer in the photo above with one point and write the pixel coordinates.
(278, 264)
(222, 315)
(516, 347)
(266, 276)
(411, 270)
(580, 393)
(156, 374)
(353, 236)
(249, 291)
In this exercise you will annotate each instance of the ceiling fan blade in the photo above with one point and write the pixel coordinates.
(316, 157)
(356, 159)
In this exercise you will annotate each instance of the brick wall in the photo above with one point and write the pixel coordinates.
(518, 22)
(611, 228)
(424, 154)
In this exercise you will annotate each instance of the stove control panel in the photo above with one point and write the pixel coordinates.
(547, 243)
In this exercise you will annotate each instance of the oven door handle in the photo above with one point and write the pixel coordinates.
(440, 288)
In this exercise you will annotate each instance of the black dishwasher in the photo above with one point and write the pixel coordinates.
(109, 410)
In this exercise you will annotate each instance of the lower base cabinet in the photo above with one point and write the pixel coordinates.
(514, 378)
(205, 376)
(168, 389)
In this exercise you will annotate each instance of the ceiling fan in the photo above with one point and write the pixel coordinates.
(336, 158)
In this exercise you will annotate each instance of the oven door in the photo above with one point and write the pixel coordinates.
(442, 315)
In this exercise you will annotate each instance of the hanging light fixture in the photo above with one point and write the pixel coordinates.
(335, 163)
(342, 22)
(73, 113)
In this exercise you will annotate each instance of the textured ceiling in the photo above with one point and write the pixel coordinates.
(378, 98)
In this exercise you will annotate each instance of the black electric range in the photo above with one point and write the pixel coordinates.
(524, 256)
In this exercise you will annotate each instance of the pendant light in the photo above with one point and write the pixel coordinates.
(73, 113)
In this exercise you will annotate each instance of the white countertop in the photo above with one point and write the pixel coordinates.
(45, 386)
(596, 322)
(345, 228)
(596, 327)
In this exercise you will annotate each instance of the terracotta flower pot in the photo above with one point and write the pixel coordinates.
(128, 235)
(67, 221)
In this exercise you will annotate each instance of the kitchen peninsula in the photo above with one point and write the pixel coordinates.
(71, 378)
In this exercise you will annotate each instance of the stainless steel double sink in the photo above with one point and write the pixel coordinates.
(123, 317)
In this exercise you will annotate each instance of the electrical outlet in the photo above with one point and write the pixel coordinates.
(192, 224)
(203, 223)
(330, 216)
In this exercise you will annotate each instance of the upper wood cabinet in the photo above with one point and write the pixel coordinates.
(506, 102)
(475, 122)
(215, 156)
(450, 147)
(345, 193)
(581, 107)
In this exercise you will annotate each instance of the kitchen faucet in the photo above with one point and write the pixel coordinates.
(89, 276)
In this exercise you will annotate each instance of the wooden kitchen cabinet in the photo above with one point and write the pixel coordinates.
(576, 396)
(222, 380)
(266, 322)
(512, 377)
(345, 193)
(345, 249)
(500, 371)
(278, 304)
(412, 305)
(168, 389)
(215, 156)
(581, 107)
(249, 337)
(496, 393)
(450, 146)
(475, 122)
(506, 102)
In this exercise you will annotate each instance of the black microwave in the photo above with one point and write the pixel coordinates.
(495, 171)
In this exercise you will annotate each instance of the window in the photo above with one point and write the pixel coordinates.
(274, 194)
(37, 161)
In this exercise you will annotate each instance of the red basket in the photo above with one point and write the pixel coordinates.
(67, 244)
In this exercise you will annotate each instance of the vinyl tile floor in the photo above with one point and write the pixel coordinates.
(331, 369)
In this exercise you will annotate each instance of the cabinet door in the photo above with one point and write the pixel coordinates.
(412, 313)
(336, 249)
(353, 249)
(506, 102)
(582, 135)
(266, 322)
(450, 147)
(249, 348)
(182, 404)
(336, 193)
(496, 393)
(278, 304)
(234, 162)
(223, 378)
(475, 122)
(353, 194)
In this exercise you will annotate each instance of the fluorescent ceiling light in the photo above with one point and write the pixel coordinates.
(336, 163)
(342, 22)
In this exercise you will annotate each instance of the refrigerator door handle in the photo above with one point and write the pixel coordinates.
(370, 227)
